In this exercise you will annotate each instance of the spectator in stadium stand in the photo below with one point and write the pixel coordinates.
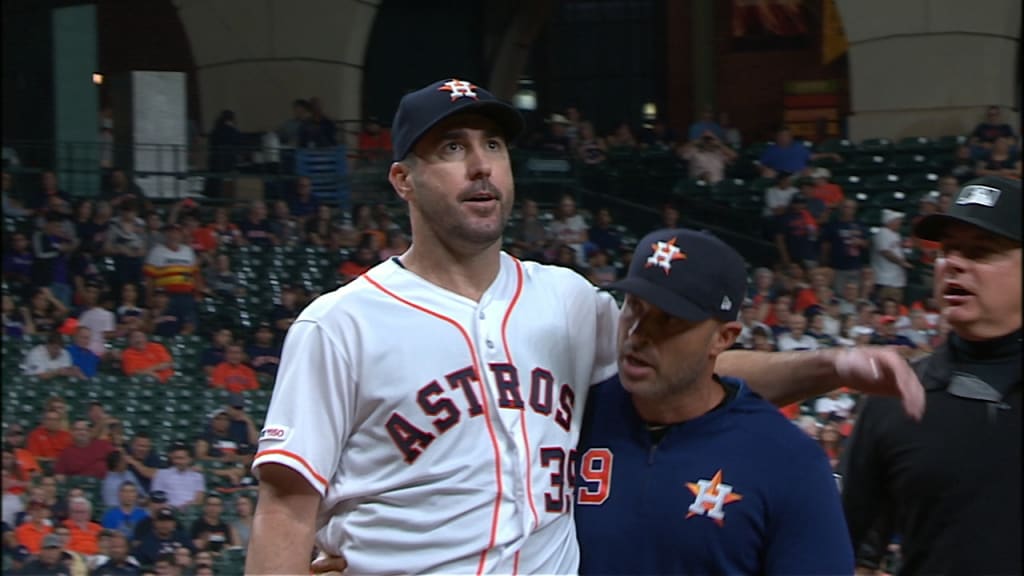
(599, 269)
(364, 258)
(1001, 160)
(529, 234)
(14, 438)
(286, 311)
(591, 149)
(91, 225)
(224, 142)
(165, 535)
(796, 337)
(49, 188)
(398, 243)
(658, 136)
(782, 309)
(365, 223)
(243, 429)
(52, 249)
(602, 234)
(374, 141)
(85, 456)
(834, 406)
(184, 561)
(17, 263)
(303, 205)
(926, 250)
(130, 316)
(779, 195)
(831, 442)
(233, 374)
(264, 354)
(46, 311)
(224, 230)
(210, 532)
(556, 139)
(123, 189)
(288, 132)
(844, 242)
(83, 359)
(17, 320)
(707, 157)
(221, 281)
(84, 533)
(12, 204)
(255, 228)
(748, 318)
(145, 358)
(319, 130)
(669, 217)
(797, 235)
(621, 140)
(173, 266)
(156, 502)
(49, 359)
(165, 565)
(242, 524)
(887, 335)
(114, 482)
(989, 130)
(962, 164)
(219, 442)
(816, 329)
(183, 485)
(788, 155)
(126, 243)
(888, 260)
(810, 295)
(220, 339)
(320, 226)
(830, 193)
(102, 323)
(732, 137)
(283, 226)
(36, 526)
(162, 320)
(118, 563)
(705, 124)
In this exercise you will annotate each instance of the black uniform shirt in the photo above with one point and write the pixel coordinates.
(952, 482)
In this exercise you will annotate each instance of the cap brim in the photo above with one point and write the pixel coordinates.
(505, 116)
(674, 304)
(930, 227)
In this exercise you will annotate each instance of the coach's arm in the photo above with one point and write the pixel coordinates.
(284, 523)
(786, 377)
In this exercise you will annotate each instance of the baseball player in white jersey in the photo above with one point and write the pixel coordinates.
(425, 416)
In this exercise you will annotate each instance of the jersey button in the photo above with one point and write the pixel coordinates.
(490, 344)
(482, 315)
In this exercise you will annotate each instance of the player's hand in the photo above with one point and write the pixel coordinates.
(882, 371)
(328, 565)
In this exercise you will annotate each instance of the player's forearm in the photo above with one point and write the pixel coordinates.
(782, 377)
(281, 542)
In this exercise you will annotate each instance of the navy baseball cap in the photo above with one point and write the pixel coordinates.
(419, 111)
(689, 274)
(991, 203)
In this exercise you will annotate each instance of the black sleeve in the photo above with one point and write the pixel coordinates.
(863, 492)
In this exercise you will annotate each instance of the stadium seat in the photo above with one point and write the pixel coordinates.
(876, 182)
(908, 163)
(914, 144)
(876, 145)
(870, 164)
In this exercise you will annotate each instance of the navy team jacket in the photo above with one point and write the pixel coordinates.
(740, 490)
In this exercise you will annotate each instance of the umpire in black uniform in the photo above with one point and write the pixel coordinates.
(950, 485)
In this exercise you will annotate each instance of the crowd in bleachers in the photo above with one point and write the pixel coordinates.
(141, 340)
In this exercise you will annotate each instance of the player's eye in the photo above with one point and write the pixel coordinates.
(495, 144)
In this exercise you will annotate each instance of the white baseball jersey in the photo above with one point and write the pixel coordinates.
(440, 431)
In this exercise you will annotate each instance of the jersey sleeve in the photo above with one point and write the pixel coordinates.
(606, 350)
(807, 533)
(311, 409)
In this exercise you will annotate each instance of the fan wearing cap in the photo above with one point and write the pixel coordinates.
(172, 265)
(165, 534)
(50, 558)
(957, 473)
(888, 261)
(698, 486)
(436, 365)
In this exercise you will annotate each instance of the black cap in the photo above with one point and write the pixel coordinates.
(21, 553)
(165, 514)
(419, 111)
(688, 274)
(991, 203)
(158, 497)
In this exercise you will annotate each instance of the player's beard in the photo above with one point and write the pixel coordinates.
(453, 220)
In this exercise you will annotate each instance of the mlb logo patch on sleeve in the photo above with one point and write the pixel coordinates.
(278, 433)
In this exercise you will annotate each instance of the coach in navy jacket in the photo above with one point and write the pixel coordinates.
(684, 472)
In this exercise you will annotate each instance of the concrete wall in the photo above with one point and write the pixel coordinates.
(929, 67)
(256, 57)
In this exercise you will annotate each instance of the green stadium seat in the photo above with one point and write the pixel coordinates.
(948, 143)
(840, 146)
(876, 145)
(914, 144)
(882, 181)
(910, 163)
(870, 164)
(921, 180)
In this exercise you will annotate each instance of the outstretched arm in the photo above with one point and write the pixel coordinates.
(786, 377)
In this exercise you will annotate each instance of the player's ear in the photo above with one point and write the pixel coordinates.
(725, 337)
(400, 177)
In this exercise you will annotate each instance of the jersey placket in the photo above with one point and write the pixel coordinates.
(487, 331)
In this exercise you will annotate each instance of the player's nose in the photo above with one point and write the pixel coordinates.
(478, 162)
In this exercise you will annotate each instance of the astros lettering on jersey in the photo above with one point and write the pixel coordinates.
(441, 432)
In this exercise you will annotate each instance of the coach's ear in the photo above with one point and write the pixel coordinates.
(400, 177)
(725, 336)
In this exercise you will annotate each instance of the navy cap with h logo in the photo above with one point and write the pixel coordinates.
(991, 203)
(419, 111)
(688, 274)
